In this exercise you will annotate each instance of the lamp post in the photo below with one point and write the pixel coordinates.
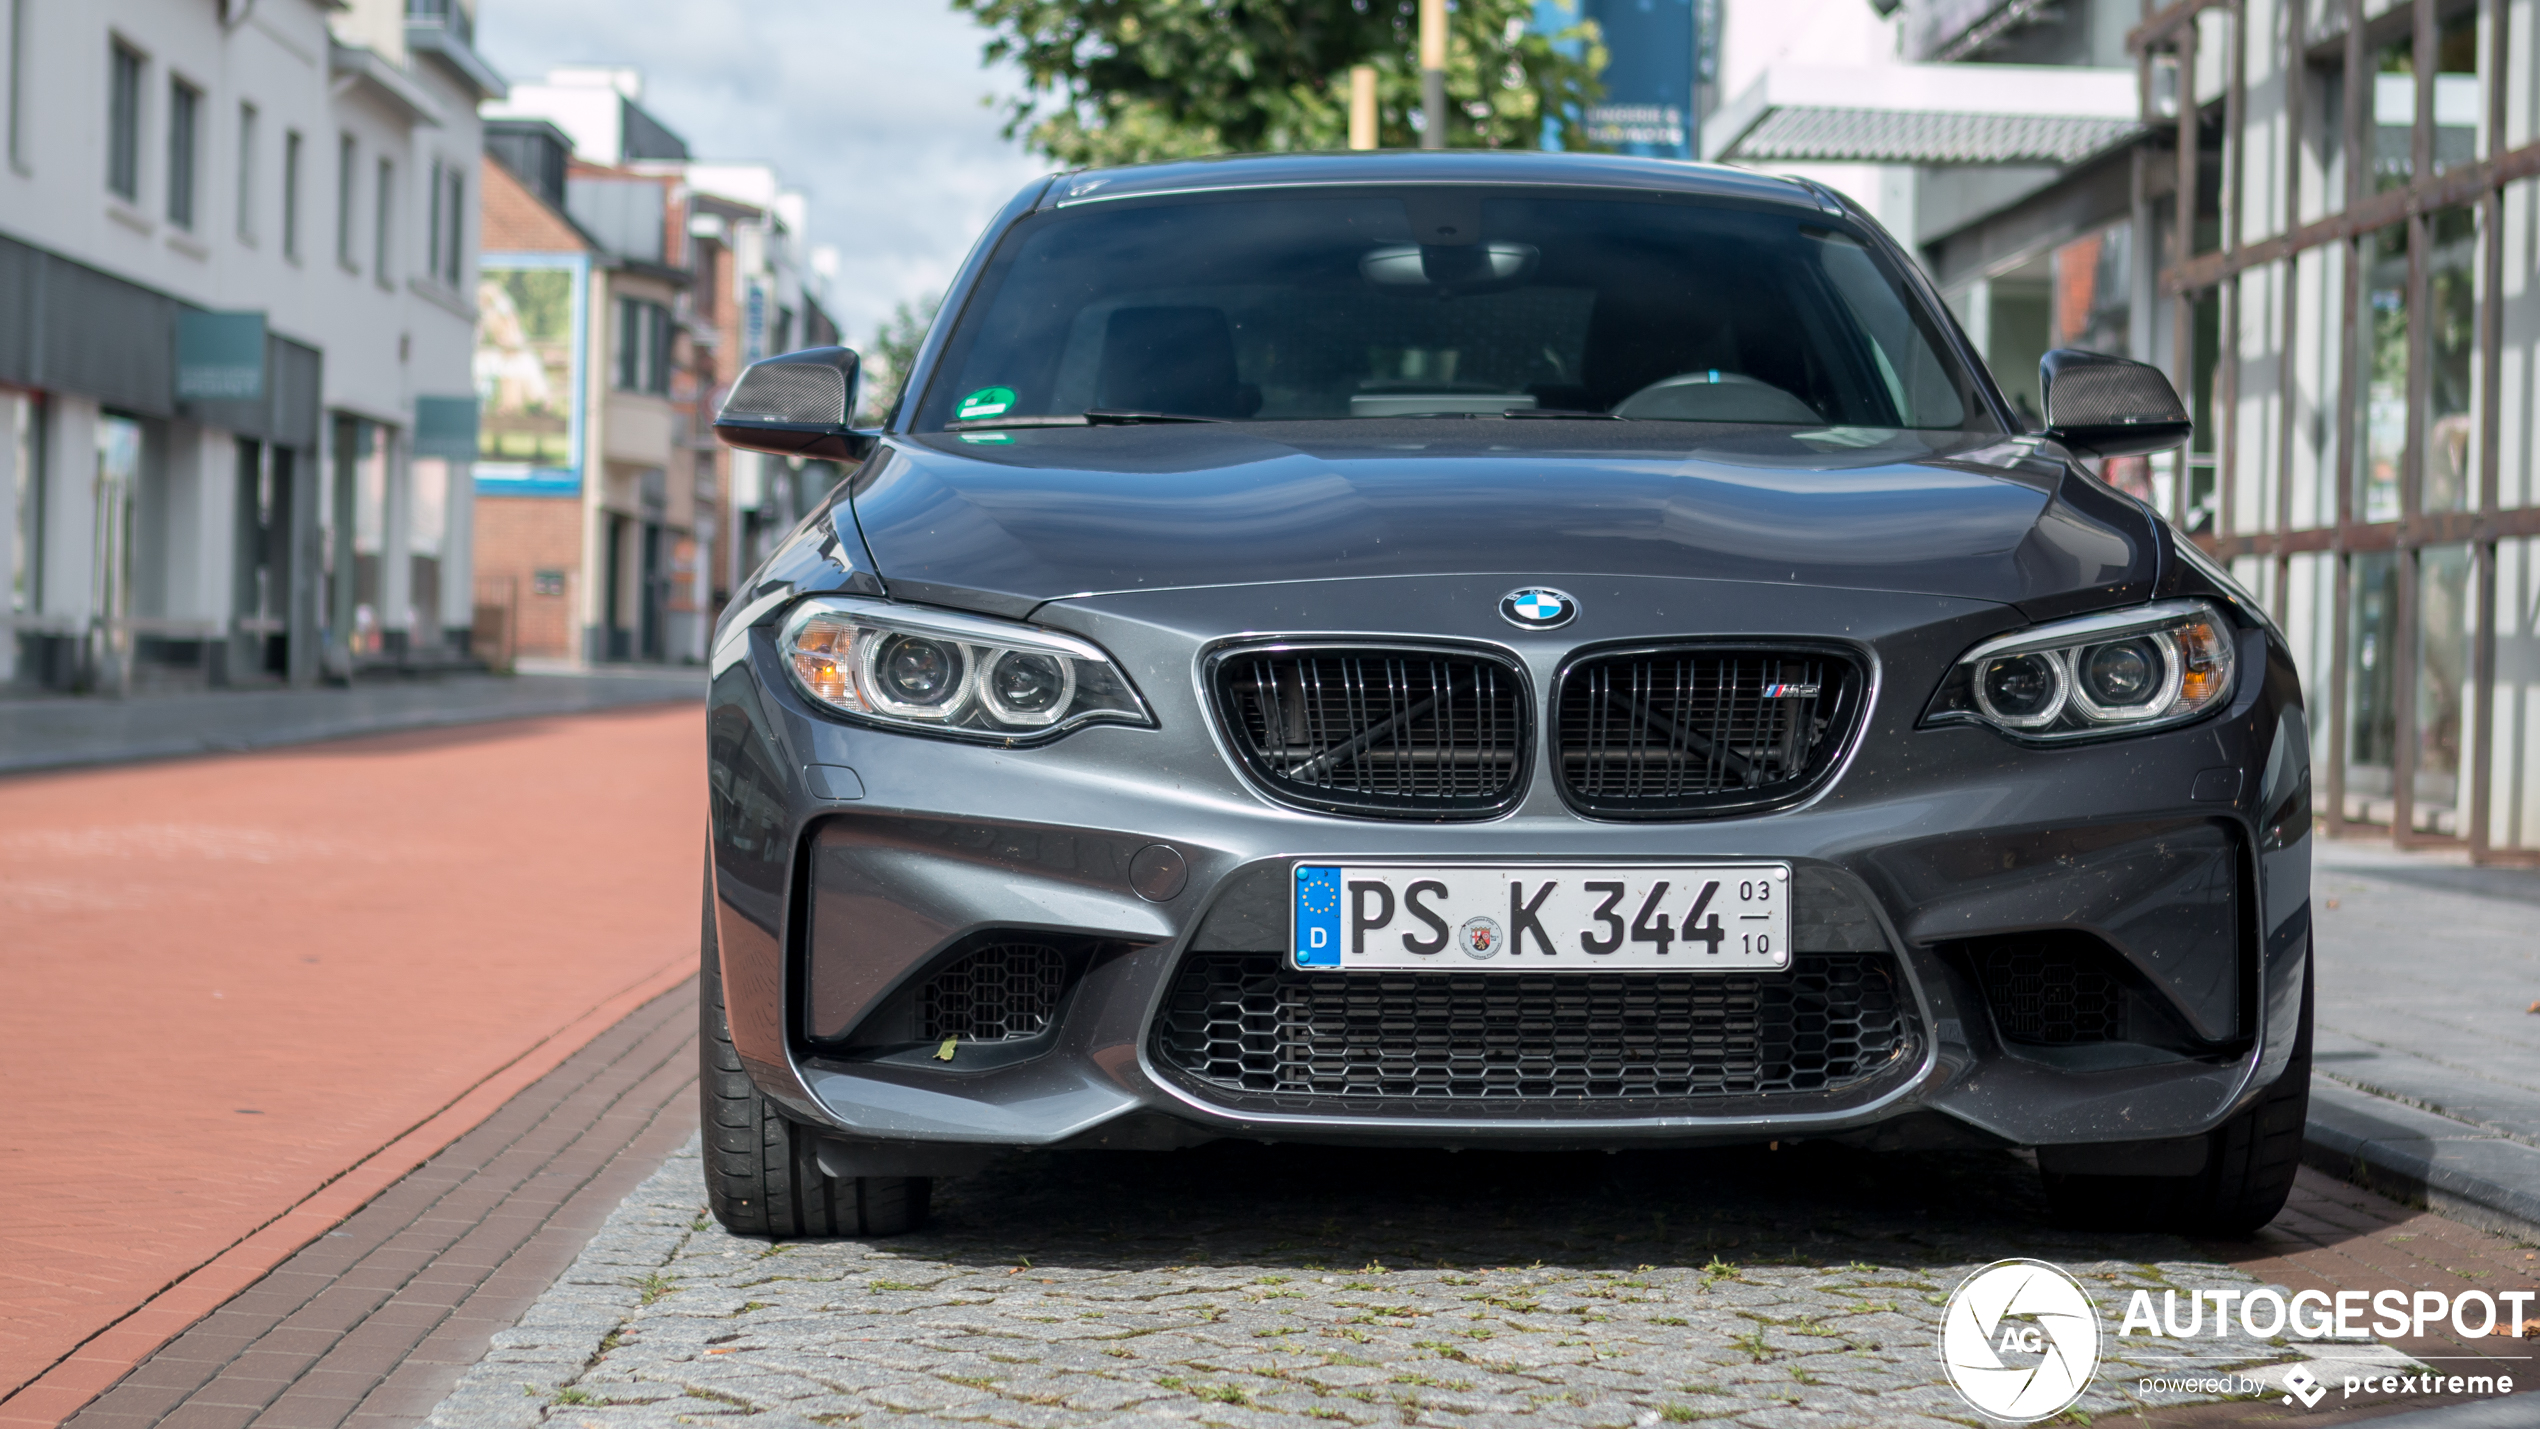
(1362, 107)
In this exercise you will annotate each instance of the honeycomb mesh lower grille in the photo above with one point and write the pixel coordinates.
(2050, 996)
(1000, 993)
(1247, 1028)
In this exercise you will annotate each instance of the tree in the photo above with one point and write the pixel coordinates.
(1133, 81)
(892, 352)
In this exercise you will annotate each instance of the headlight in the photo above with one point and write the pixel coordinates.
(2101, 674)
(963, 675)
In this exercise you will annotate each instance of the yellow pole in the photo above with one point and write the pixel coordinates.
(1432, 74)
(1362, 107)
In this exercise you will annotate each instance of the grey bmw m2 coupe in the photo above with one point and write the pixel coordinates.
(1488, 650)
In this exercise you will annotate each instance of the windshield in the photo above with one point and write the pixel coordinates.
(1442, 302)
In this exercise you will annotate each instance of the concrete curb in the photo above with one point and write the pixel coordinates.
(2419, 1158)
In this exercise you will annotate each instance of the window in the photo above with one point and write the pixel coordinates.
(383, 229)
(123, 125)
(246, 173)
(22, 429)
(291, 144)
(17, 83)
(432, 226)
(643, 347)
(445, 236)
(346, 157)
(454, 247)
(701, 253)
(185, 107)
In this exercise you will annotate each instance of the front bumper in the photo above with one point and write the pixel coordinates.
(1927, 843)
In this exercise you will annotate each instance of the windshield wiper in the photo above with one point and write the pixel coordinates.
(1561, 414)
(1110, 417)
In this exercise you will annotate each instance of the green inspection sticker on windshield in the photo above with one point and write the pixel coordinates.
(986, 402)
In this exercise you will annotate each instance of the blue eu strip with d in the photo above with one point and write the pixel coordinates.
(1318, 917)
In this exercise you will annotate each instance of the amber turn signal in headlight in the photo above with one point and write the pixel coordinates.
(2116, 672)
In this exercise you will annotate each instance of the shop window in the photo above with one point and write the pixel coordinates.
(2460, 109)
(2372, 648)
(2318, 295)
(2451, 316)
(427, 536)
(370, 533)
(116, 492)
(22, 428)
(2199, 501)
(2382, 422)
(2394, 114)
(2093, 291)
(2324, 130)
(2514, 717)
(2444, 630)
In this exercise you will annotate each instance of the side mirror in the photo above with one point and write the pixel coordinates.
(2109, 406)
(796, 404)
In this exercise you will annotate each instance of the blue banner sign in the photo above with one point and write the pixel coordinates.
(1648, 107)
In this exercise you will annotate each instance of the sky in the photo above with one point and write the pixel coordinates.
(872, 107)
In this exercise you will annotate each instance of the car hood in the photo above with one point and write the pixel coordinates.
(1003, 521)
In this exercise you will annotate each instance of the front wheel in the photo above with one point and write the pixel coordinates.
(763, 1175)
(2250, 1162)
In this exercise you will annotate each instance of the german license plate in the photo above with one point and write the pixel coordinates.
(1540, 918)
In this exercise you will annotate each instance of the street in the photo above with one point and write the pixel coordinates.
(245, 986)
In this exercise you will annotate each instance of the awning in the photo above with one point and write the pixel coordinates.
(1926, 114)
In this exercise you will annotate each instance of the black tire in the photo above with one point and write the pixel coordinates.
(2250, 1162)
(763, 1175)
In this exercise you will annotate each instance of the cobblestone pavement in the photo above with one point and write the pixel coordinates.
(1282, 1285)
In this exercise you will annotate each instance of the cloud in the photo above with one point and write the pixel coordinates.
(873, 107)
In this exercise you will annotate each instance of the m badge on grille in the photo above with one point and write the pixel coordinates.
(1537, 607)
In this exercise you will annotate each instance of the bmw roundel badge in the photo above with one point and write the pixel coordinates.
(1537, 607)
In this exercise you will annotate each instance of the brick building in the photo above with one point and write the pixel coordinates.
(586, 482)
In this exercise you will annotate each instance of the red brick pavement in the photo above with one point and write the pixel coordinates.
(246, 994)
(2334, 1236)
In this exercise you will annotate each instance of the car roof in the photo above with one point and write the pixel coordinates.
(1408, 167)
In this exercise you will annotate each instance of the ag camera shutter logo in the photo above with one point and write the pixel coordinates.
(2020, 1340)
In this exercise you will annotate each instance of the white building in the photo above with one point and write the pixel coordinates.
(237, 272)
